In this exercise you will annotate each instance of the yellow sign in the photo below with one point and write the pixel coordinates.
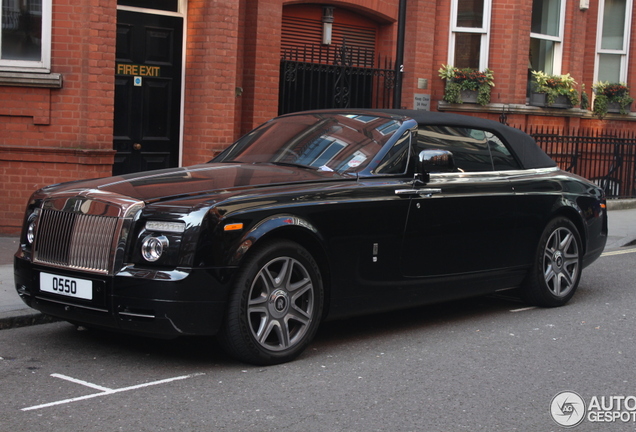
(138, 70)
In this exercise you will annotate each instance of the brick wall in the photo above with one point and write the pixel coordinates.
(420, 49)
(49, 135)
(261, 62)
(509, 50)
(211, 82)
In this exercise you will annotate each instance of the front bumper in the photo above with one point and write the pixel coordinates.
(153, 303)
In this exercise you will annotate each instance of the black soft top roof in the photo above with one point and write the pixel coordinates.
(529, 154)
(523, 145)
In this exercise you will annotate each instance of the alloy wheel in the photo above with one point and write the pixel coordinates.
(561, 262)
(280, 305)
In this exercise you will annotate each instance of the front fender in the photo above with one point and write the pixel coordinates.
(267, 226)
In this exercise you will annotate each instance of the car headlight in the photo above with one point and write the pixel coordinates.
(31, 226)
(153, 247)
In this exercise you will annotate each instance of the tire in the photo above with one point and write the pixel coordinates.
(276, 305)
(556, 272)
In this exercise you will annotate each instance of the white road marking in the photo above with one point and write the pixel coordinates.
(105, 391)
(84, 383)
(618, 252)
(523, 309)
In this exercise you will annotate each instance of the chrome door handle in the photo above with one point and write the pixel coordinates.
(428, 191)
(422, 192)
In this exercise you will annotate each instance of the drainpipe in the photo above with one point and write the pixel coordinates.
(399, 60)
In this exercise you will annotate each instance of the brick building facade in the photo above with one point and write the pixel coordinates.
(62, 109)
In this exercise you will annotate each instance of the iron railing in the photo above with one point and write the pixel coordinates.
(607, 159)
(317, 77)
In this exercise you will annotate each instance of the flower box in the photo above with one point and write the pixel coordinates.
(466, 85)
(610, 98)
(469, 96)
(615, 107)
(558, 89)
(539, 99)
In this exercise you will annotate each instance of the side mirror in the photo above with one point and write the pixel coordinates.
(434, 161)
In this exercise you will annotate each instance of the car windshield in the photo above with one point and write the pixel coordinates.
(328, 142)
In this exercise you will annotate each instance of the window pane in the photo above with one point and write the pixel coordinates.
(542, 55)
(395, 161)
(546, 17)
(21, 30)
(501, 158)
(609, 68)
(469, 146)
(467, 50)
(613, 25)
(470, 13)
(166, 5)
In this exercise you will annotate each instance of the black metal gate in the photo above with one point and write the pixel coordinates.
(317, 77)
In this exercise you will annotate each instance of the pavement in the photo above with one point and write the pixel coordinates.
(14, 313)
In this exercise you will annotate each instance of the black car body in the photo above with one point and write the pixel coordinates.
(313, 215)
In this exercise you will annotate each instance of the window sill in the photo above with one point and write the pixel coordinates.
(498, 108)
(21, 79)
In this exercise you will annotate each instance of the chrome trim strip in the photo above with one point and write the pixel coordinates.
(136, 315)
(508, 173)
(423, 191)
(71, 304)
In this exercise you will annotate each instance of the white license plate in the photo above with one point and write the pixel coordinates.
(67, 286)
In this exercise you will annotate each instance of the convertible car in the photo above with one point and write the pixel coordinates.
(312, 216)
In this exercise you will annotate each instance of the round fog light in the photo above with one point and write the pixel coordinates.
(153, 247)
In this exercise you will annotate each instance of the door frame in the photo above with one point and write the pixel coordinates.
(182, 13)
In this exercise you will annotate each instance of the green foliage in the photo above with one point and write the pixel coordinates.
(585, 99)
(453, 92)
(458, 80)
(483, 95)
(607, 93)
(555, 85)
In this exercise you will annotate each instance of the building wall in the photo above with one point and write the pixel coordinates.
(49, 134)
(212, 76)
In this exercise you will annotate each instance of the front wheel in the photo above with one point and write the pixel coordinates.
(558, 264)
(276, 305)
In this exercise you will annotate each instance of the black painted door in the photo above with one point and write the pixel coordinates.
(147, 91)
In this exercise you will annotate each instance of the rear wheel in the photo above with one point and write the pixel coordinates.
(276, 305)
(558, 264)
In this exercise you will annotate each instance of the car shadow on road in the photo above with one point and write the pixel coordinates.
(186, 350)
(204, 352)
(417, 318)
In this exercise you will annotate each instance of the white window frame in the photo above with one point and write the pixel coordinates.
(484, 31)
(624, 53)
(557, 61)
(44, 65)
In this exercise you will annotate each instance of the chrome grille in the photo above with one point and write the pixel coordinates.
(75, 240)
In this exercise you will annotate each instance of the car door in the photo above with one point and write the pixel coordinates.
(461, 226)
